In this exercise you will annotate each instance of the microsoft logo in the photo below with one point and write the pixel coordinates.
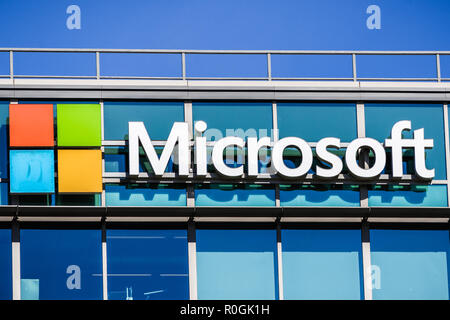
(32, 148)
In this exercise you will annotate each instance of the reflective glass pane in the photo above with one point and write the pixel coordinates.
(4, 191)
(234, 195)
(116, 160)
(381, 117)
(147, 265)
(410, 264)
(145, 195)
(234, 119)
(158, 118)
(322, 264)
(319, 195)
(5, 264)
(314, 121)
(237, 264)
(403, 196)
(61, 264)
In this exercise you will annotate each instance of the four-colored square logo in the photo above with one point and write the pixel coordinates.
(32, 148)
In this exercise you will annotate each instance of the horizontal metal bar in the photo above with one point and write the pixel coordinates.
(193, 51)
(53, 77)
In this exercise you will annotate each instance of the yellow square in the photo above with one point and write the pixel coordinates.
(80, 171)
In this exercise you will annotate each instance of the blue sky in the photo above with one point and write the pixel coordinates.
(228, 24)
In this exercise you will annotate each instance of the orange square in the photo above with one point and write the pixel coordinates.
(80, 171)
(31, 125)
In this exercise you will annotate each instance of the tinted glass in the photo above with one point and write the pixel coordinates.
(410, 264)
(61, 264)
(381, 117)
(314, 121)
(145, 195)
(234, 195)
(319, 195)
(322, 264)
(237, 264)
(147, 264)
(5, 264)
(403, 196)
(234, 119)
(158, 118)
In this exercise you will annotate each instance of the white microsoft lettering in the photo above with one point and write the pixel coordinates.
(178, 144)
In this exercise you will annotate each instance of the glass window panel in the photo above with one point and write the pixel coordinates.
(5, 264)
(77, 199)
(4, 191)
(116, 160)
(145, 195)
(234, 195)
(314, 121)
(381, 117)
(319, 195)
(34, 200)
(158, 118)
(410, 264)
(237, 264)
(403, 196)
(147, 264)
(234, 119)
(322, 264)
(4, 120)
(61, 264)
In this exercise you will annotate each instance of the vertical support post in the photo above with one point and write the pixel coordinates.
(367, 264)
(447, 150)
(15, 239)
(97, 64)
(183, 65)
(364, 203)
(438, 67)
(192, 256)
(11, 65)
(280, 262)
(355, 77)
(104, 261)
(269, 66)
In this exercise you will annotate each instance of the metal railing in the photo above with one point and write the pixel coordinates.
(267, 53)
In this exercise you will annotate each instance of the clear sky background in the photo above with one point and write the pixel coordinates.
(228, 24)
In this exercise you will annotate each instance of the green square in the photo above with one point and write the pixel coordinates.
(79, 125)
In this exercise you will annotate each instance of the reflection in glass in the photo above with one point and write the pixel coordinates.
(237, 264)
(314, 121)
(116, 160)
(380, 117)
(410, 264)
(320, 195)
(145, 195)
(61, 264)
(147, 264)
(158, 118)
(234, 119)
(322, 264)
(404, 196)
(234, 195)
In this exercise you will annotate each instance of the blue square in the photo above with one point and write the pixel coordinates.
(32, 171)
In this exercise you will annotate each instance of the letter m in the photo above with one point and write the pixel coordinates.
(179, 133)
